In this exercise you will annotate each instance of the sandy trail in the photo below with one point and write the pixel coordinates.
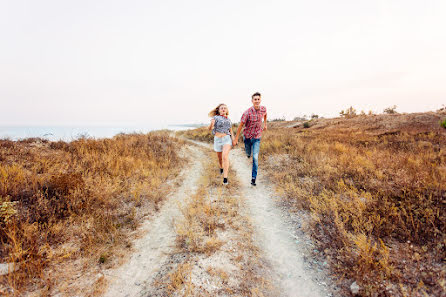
(274, 236)
(152, 249)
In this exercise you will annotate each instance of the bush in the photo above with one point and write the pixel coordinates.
(443, 123)
(391, 110)
(348, 113)
(307, 125)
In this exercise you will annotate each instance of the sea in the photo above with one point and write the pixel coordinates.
(70, 133)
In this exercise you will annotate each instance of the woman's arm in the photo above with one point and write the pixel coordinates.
(232, 136)
(211, 126)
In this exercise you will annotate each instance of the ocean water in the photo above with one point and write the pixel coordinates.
(69, 133)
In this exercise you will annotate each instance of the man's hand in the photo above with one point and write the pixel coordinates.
(234, 142)
(265, 127)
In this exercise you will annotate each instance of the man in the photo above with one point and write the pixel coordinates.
(252, 120)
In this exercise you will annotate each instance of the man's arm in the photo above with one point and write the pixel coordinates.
(264, 122)
(239, 129)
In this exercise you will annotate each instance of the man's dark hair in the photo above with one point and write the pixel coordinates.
(256, 94)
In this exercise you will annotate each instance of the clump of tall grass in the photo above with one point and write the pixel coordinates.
(199, 134)
(376, 202)
(86, 192)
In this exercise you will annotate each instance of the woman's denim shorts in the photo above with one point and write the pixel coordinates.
(219, 142)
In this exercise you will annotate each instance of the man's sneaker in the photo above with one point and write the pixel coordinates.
(253, 182)
(249, 156)
(225, 181)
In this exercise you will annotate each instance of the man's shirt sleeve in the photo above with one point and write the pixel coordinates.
(244, 117)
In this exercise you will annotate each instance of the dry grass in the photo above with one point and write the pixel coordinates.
(199, 134)
(62, 201)
(375, 187)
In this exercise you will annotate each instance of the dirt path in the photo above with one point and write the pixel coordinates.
(152, 249)
(282, 248)
(272, 240)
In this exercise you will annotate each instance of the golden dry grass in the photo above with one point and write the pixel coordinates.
(62, 201)
(375, 189)
(199, 134)
(202, 134)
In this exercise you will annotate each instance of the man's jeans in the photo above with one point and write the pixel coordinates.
(252, 145)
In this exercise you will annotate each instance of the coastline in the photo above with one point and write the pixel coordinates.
(70, 133)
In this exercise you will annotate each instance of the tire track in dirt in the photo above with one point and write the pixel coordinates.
(152, 249)
(275, 237)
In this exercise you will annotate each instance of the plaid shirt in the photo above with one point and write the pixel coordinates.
(252, 119)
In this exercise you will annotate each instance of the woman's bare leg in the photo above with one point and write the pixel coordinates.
(220, 161)
(225, 159)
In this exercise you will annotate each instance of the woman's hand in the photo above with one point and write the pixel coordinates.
(264, 126)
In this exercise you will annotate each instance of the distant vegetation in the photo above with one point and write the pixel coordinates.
(200, 134)
(277, 119)
(390, 110)
(348, 113)
(60, 201)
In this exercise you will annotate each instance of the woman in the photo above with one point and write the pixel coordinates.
(221, 128)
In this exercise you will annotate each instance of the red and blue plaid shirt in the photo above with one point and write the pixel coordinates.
(252, 118)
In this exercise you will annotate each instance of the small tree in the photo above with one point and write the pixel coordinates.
(348, 113)
(314, 116)
(307, 125)
(390, 110)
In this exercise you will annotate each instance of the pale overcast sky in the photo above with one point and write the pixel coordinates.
(145, 62)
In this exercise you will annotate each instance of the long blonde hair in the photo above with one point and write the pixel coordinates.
(215, 111)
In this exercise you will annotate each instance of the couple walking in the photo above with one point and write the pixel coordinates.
(224, 139)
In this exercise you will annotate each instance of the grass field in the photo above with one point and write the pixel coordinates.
(375, 189)
(64, 201)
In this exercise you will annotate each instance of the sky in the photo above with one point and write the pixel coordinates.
(171, 62)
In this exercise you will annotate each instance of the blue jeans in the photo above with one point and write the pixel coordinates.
(252, 145)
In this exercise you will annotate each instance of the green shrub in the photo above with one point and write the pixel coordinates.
(443, 123)
(307, 125)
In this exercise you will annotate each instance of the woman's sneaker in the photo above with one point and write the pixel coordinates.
(221, 171)
(225, 181)
(253, 182)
